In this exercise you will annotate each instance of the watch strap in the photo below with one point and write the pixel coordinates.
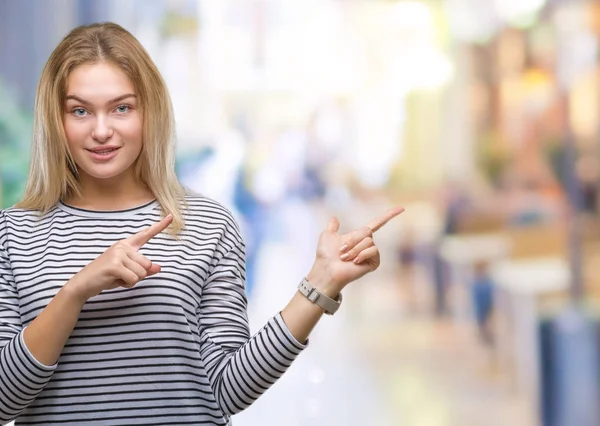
(315, 296)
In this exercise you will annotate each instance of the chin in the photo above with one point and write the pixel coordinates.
(103, 173)
(104, 176)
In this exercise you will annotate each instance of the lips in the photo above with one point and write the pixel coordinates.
(103, 153)
(104, 150)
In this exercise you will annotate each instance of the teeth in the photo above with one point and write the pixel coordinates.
(105, 151)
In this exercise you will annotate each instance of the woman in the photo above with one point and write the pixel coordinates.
(122, 297)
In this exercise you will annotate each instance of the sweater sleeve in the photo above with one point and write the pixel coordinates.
(22, 377)
(241, 368)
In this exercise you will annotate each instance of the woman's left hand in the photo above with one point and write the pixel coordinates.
(341, 259)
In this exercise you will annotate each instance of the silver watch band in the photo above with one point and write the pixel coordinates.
(315, 296)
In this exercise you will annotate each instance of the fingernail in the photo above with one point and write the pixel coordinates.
(344, 248)
(344, 256)
(357, 260)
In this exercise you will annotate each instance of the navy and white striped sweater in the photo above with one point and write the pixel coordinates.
(175, 349)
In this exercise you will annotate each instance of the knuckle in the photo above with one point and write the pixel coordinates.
(121, 249)
(119, 245)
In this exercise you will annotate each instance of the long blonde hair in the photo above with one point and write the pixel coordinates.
(53, 173)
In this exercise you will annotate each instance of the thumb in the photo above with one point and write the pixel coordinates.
(333, 225)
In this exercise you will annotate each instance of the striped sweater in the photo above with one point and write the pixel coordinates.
(173, 350)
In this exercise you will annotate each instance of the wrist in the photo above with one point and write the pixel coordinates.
(73, 290)
(323, 282)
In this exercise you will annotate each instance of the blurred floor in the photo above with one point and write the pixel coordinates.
(435, 373)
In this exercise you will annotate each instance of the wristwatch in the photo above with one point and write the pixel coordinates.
(315, 296)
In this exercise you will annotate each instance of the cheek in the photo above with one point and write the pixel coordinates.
(75, 134)
(132, 133)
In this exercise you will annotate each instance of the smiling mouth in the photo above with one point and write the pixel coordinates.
(102, 151)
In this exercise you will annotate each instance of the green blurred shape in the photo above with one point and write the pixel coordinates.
(15, 137)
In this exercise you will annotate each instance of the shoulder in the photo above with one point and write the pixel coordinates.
(16, 215)
(12, 214)
(17, 219)
(14, 220)
(199, 206)
(201, 211)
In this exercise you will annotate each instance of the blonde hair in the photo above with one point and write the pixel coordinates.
(53, 173)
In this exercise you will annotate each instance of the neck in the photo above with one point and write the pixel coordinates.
(118, 193)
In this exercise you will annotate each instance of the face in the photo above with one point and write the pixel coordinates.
(102, 123)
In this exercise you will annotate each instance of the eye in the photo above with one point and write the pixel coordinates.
(79, 112)
(122, 109)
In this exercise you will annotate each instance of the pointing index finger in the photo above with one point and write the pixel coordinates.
(145, 235)
(378, 222)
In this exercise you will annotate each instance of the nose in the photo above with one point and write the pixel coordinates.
(102, 130)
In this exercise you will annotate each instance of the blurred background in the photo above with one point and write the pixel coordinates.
(481, 117)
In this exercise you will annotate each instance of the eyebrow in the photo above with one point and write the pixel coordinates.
(112, 101)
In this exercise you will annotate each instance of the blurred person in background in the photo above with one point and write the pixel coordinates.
(588, 177)
(455, 205)
(122, 295)
(482, 294)
(407, 258)
(528, 205)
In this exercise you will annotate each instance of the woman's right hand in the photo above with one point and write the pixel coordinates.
(121, 265)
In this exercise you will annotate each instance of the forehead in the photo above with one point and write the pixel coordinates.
(98, 82)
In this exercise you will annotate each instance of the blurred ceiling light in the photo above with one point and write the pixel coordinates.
(521, 13)
(436, 70)
(471, 20)
(416, 61)
(478, 20)
(421, 69)
(410, 14)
